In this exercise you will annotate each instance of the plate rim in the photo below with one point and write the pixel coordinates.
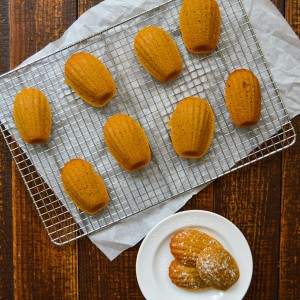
(180, 215)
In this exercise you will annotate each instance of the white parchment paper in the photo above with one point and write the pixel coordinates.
(280, 46)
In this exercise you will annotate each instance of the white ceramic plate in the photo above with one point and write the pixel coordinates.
(154, 257)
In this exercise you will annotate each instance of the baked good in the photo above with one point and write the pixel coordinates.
(200, 25)
(158, 53)
(192, 127)
(187, 244)
(185, 277)
(90, 79)
(197, 251)
(127, 142)
(32, 115)
(217, 268)
(243, 98)
(84, 187)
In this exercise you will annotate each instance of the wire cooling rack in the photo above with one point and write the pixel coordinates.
(77, 127)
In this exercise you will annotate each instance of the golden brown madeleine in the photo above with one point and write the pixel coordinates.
(127, 142)
(200, 25)
(217, 268)
(187, 244)
(158, 53)
(185, 277)
(90, 79)
(243, 98)
(32, 116)
(192, 127)
(84, 187)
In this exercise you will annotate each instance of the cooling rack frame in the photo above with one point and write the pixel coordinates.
(151, 103)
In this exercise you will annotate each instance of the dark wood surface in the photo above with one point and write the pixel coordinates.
(263, 199)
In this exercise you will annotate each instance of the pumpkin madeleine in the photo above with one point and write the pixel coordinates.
(192, 127)
(217, 268)
(127, 142)
(243, 98)
(158, 53)
(90, 79)
(185, 277)
(32, 115)
(200, 25)
(84, 187)
(187, 244)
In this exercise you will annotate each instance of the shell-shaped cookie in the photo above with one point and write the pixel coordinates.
(185, 277)
(32, 115)
(217, 268)
(187, 244)
(127, 142)
(158, 53)
(200, 25)
(90, 79)
(84, 187)
(192, 127)
(243, 98)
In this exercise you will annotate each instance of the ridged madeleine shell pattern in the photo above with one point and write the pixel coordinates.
(217, 268)
(187, 244)
(185, 276)
(243, 98)
(84, 187)
(200, 25)
(90, 79)
(32, 115)
(127, 142)
(158, 53)
(192, 127)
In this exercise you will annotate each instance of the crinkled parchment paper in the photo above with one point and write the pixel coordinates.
(76, 126)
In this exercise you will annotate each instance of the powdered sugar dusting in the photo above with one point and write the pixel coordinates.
(201, 260)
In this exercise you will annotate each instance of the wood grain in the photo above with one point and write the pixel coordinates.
(4, 30)
(6, 257)
(41, 270)
(290, 198)
(261, 199)
(36, 23)
(290, 229)
(292, 14)
(84, 5)
(250, 198)
(280, 5)
(204, 200)
(100, 278)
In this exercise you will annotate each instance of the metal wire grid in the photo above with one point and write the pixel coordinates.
(77, 127)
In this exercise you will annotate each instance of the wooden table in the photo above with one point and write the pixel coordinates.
(263, 199)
